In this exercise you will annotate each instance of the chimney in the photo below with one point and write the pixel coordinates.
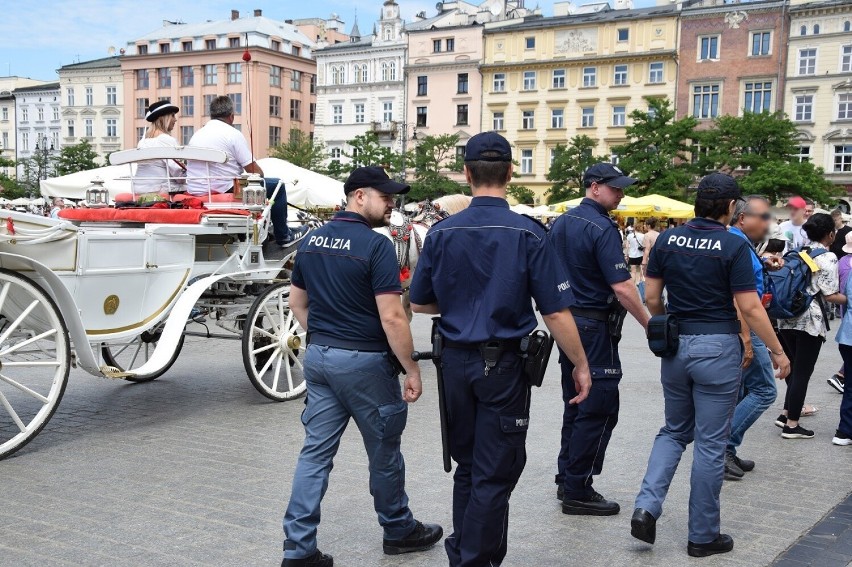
(258, 13)
(235, 15)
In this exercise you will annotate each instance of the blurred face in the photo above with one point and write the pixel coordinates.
(809, 210)
(838, 221)
(797, 215)
(373, 205)
(170, 124)
(755, 221)
(606, 196)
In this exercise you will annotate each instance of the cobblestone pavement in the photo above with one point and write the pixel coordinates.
(195, 468)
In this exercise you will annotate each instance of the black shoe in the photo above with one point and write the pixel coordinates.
(781, 420)
(560, 493)
(318, 559)
(422, 537)
(732, 470)
(643, 526)
(595, 505)
(722, 544)
(744, 464)
(836, 382)
(797, 432)
(841, 438)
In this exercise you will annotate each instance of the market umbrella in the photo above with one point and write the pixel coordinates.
(668, 207)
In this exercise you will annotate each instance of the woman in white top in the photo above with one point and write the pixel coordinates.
(153, 176)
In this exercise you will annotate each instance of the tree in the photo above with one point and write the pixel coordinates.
(302, 151)
(433, 158)
(11, 188)
(367, 150)
(79, 157)
(657, 154)
(774, 178)
(522, 194)
(33, 169)
(569, 164)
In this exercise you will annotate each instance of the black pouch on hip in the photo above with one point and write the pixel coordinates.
(615, 319)
(663, 335)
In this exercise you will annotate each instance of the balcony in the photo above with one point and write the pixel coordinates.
(388, 129)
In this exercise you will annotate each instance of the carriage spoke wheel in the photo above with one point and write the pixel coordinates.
(35, 358)
(135, 351)
(274, 345)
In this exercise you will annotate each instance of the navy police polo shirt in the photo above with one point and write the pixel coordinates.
(481, 266)
(702, 266)
(343, 266)
(589, 243)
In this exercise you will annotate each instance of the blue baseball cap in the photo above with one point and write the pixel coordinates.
(607, 174)
(488, 146)
(718, 186)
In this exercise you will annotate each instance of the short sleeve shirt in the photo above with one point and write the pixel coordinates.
(343, 266)
(827, 282)
(482, 267)
(217, 135)
(757, 265)
(588, 242)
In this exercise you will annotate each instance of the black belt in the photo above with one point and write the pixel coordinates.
(506, 344)
(346, 344)
(709, 328)
(594, 314)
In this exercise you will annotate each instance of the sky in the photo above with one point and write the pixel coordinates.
(36, 38)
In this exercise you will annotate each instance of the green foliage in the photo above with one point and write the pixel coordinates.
(522, 194)
(11, 188)
(367, 150)
(6, 162)
(433, 158)
(33, 169)
(79, 157)
(569, 164)
(778, 177)
(657, 154)
(301, 151)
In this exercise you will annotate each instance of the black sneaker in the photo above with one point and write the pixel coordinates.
(781, 420)
(318, 559)
(841, 438)
(422, 537)
(797, 432)
(837, 382)
(595, 505)
(744, 464)
(732, 470)
(722, 544)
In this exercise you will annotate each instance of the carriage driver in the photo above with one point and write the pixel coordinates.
(346, 293)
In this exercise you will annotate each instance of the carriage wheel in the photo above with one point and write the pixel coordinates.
(274, 345)
(35, 358)
(134, 352)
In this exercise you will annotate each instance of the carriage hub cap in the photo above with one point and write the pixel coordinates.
(294, 342)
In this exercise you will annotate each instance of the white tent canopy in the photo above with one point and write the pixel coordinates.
(305, 188)
(74, 185)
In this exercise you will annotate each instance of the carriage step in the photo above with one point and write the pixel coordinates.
(113, 372)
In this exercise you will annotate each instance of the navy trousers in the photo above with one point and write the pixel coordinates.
(278, 212)
(587, 427)
(488, 421)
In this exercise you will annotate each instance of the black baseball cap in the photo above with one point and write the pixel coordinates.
(488, 146)
(607, 174)
(375, 177)
(718, 186)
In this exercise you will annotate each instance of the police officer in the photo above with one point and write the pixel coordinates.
(589, 243)
(705, 270)
(478, 270)
(346, 294)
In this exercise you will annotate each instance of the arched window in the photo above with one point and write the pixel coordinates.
(335, 76)
(391, 71)
(803, 30)
(357, 76)
(816, 29)
(847, 26)
(388, 34)
(342, 75)
(364, 75)
(384, 71)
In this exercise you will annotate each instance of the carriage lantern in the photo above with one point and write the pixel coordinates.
(254, 194)
(96, 195)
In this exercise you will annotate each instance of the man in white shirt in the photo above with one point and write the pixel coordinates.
(220, 134)
(791, 229)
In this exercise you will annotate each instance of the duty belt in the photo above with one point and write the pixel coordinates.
(709, 328)
(491, 351)
(594, 314)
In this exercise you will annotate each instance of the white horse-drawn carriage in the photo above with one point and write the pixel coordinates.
(111, 291)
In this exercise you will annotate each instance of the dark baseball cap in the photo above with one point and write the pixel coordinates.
(375, 177)
(718, 186)
(607, 174)
(488, 146)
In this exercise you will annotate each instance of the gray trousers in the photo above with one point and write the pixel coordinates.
(700, 383)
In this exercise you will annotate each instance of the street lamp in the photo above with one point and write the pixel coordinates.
(42, 151)
(403, 132)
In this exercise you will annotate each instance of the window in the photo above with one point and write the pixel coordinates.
(462, 83)
(296, 50)
(552, 156)
(847, 26)
(388, 71)
(274, 105)
(338, 76)
(623, 34)
(620, 77)
(803, 30)
(186, 45)
(709, 48)
(387, 111)
(142, 78)
(335, 155)
(758, 96)
(164, 78)
(619, 115)
(55, 113)
(70, 128)
(655, 72)
(5, 115)
(846, 59)
(587, 119)
(421, 116)
(359, 113)
(499, 83)
(237, 99)
(25, 114)
(141, 107)
(296, 81)
(210, 75)
(460, 153)
(90, 96)
(312, 112)
(187, 105)
(422, 85)
(807, 61)
(844, 106)
(25, 141)
(140, 133)
(529, 80)
(165, 48)
(816, 29)
(141, 50)
(295, 109)
(235, 73)
(529, 42)
(461, 115)
(803, 153)
(89, 126)
(760, 43)
(40, 111)
(187, 77)
(705, 101)
(111, 96)
(590, 76)
(233, 42)
(843, 158)
(528, 120)
(210, 44)
(275, 45)
(436, 45)
(112, 127)
(337, 114)
(557, 118)
(558, 79)
(497, 121)
(274, 136)
(69, 92)
(526, 162)
(208, 98)
(275, 76)
(803, 110)
(451, 44)
(362, 75)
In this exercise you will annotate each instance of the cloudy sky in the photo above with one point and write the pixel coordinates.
(37, 37)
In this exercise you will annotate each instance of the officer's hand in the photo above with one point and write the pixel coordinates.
(582, 384)
(781, 363)
(412, 387)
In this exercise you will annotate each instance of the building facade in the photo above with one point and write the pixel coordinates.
(37, 122)
(547, 80)
(92, 104)
(8, 129)
(322, 32)
(191, 64)
(819, 85)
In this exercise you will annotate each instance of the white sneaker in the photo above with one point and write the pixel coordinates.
(841, 438)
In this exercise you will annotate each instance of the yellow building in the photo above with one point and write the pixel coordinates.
(546, 80)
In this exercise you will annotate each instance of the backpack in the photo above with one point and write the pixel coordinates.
(789, 285)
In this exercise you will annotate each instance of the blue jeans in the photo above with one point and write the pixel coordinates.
(757, 393)
(845, 425)
(344, 384)
(278, 213)
(700, 384)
